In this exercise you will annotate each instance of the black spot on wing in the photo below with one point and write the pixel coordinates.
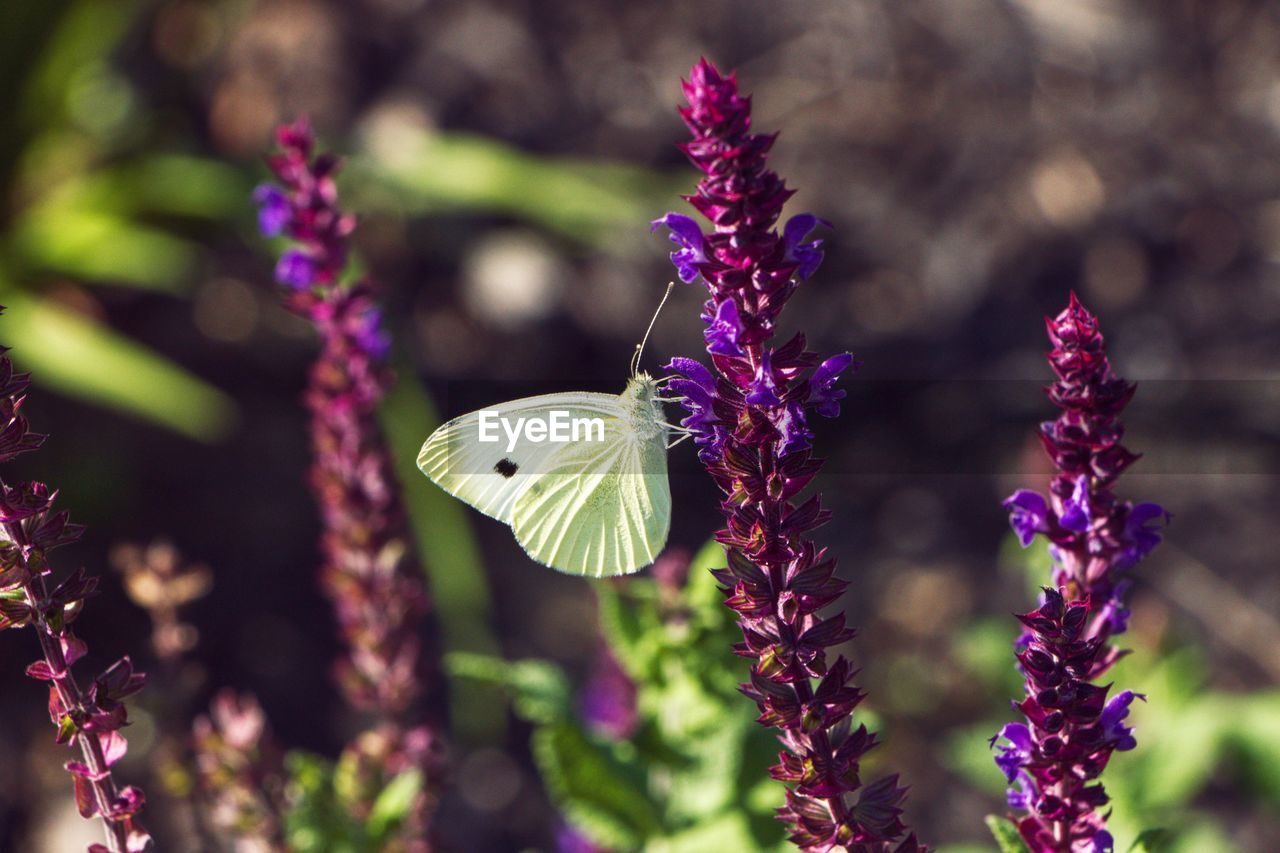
(506, 467)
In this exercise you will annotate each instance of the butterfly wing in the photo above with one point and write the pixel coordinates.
(598, 509)
(488, 475)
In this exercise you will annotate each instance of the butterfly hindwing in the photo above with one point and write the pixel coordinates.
(598, 510)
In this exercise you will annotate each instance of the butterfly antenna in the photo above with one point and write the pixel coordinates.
(635, 359)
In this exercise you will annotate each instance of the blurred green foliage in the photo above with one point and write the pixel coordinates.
(326, 813)
(692, 776)
(423, 171)
(94, 203)
(92, 206)
(449, 553)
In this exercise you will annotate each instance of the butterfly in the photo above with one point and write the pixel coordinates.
(596, 502)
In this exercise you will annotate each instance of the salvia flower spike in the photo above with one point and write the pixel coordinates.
(749, 418)
(368, 569)
(87, 717)
(1053, 760)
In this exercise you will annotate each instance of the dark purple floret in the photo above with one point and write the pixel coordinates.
(749, 416)
(1053, 761)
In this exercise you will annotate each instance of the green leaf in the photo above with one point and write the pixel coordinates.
(631, 626)
(1255, 739)
(87, 33)
(591, 202)
(79, 357)
(1008, 839)
(313, 820)
(728, 831)
(539, 689)
(1150, 841)
(1032, 564)
(392, 804)
(94, 246)
(967, 752)
(598, 795)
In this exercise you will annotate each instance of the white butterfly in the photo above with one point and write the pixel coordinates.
(599, 505)
(587, 507)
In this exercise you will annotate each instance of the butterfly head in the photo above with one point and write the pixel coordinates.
(640, 399)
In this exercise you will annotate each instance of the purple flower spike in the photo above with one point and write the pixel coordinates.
(296, 269)
(1066, 647)
(806, 256)
(368, 568)
(274, 210)
(686, 234)
(764, 390)
(822, 391)
(89, 717)
(723, 328)
(750, 420)
(1028, 514)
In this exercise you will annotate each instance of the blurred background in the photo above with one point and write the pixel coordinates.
(977, 160)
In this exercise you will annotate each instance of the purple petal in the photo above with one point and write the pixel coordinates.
(793, 431)
(1021, 793)
(694, 370)
(1112, 717)
(764, 390)
(1028, 514)
(1013, 757)
(1142, 530)
(807, 256)
(822, 391)
(296, 269)
(686, 234)
(370, 336)
(723, 328)
(274, 210)
(1102, 842)
(1114, 615)
(1077, 512)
